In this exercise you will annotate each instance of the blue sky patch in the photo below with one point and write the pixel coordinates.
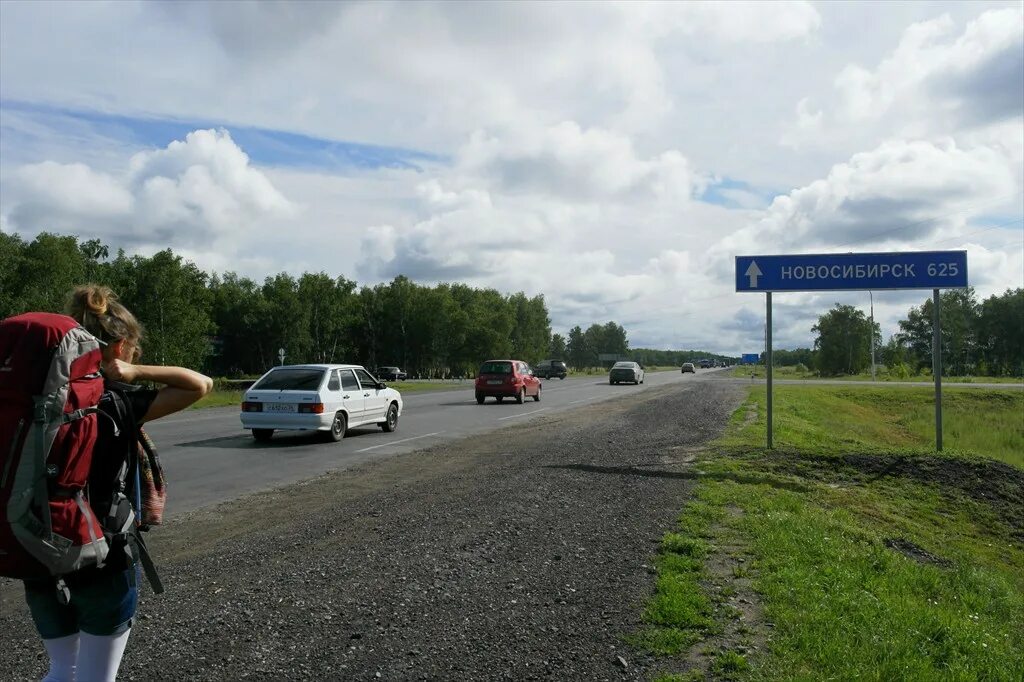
(265, 147)
(731, 193)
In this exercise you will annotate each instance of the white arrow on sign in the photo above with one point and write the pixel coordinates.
(753, 272)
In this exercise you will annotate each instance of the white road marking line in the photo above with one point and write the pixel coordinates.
(524, 414)
(573, 402)
(404, 440)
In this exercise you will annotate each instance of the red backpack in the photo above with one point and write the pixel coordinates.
(50, 385)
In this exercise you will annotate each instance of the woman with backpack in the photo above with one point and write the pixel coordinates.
(85, 631)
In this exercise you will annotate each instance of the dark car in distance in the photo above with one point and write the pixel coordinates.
(546, 369)
(391, 374)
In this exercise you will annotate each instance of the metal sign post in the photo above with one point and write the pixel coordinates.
(871, 294)
(768, 361)
(855, 272)
(937, 368)
(280, 354)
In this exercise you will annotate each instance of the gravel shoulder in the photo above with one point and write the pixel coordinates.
(493, 557)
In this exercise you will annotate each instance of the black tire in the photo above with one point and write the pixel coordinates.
(561, 378)
(338, 427)
(390, 422)
(536, 398)
(263, 435)
(521, 396)
(499, 398)
(479, 399)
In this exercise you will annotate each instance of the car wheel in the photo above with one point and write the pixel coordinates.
(390, 422)
(262, 435)
(479, 399)
(521, 396)
(499, 398)
(338, 427)
(536, 398)
(561, 378)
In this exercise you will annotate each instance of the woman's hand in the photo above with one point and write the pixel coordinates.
(119, 370)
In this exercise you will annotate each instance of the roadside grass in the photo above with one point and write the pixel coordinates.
(882, 375)
(879, 577)
(828, 419)
(219, 398)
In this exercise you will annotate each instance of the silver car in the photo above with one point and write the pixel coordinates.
(326, 398)
(626, 371)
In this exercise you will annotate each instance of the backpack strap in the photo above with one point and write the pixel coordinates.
(129, 471)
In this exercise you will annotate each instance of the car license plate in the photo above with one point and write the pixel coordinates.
(278, 407)
(494, 382)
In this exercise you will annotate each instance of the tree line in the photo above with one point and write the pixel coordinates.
(229, 325)
(978, 338)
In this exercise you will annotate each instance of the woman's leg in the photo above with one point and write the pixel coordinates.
(99, 657)
(63, 653)
(57, 626)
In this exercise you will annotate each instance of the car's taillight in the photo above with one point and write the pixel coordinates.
(312, 408)
(252, 407)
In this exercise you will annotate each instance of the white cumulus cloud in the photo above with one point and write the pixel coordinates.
(192, 192)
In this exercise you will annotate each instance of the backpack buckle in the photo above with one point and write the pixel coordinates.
(63, 593)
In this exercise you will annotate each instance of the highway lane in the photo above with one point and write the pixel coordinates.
(209, 458)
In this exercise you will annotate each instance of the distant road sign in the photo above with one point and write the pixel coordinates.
(750, 358)
(852, 271)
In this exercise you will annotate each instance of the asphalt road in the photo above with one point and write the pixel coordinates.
(209, 458)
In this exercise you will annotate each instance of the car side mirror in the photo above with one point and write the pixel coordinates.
(381, 384)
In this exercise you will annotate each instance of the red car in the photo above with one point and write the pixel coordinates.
(506, 379)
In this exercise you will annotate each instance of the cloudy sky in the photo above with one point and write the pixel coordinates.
(613, 157)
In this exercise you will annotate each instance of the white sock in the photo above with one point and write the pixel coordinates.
(63, 652)
(100, 657)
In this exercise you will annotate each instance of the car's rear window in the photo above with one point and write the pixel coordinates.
(305, 379)
(623, 365)
(496, 368)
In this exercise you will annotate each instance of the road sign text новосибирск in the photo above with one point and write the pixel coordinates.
(852, 271)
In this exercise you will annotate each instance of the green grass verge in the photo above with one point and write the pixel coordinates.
(861, 577)
(882, 374)
(894, 419)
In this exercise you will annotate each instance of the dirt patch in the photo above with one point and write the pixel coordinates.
(915, 553)
(738, 615)
(996, 484)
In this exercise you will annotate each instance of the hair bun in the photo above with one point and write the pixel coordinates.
(96, 299)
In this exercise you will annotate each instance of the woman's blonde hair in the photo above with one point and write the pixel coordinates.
(96, 308)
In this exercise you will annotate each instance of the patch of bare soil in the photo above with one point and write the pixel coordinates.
(915, 553)
(996, 484)
(738, 616)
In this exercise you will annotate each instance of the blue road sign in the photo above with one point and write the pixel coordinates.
(750, 358)
(852, 271)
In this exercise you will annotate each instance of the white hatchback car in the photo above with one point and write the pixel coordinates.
(326, 398)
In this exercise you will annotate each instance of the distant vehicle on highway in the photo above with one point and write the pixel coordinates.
(328, 398)
(500, 379)
(688, 367)
(545, 369)
(626, 371)
(391, 374)
(706, 364)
